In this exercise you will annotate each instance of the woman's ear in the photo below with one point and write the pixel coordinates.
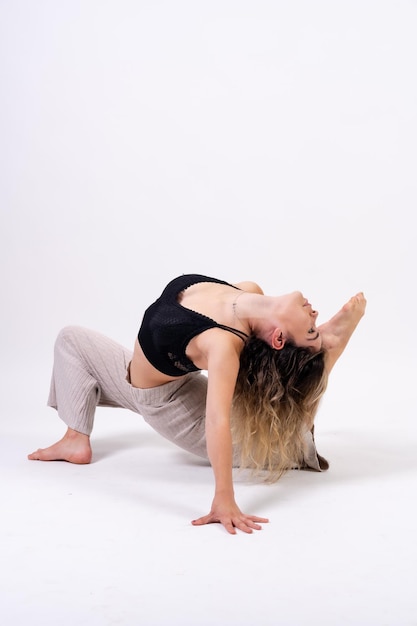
(278, 340)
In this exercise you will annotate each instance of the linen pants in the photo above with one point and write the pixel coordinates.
(92, 370)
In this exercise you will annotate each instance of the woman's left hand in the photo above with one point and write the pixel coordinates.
(225, 511)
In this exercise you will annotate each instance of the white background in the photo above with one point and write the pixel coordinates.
(270, 141)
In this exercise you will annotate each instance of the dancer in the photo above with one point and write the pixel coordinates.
(267, 365)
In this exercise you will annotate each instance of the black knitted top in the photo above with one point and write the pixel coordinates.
(167, 327)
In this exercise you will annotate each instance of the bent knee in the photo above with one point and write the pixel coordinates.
(69, 335)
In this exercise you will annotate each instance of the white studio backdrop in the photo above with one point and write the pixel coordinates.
(268, 140)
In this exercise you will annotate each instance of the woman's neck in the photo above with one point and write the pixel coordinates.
(256, 312)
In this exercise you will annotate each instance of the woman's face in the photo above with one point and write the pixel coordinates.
(298, 320)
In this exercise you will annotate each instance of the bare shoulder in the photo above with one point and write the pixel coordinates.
(214, 348)
(217, 346)
(249, 286)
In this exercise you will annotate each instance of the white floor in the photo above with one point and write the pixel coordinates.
(272, 141)
(112, 543)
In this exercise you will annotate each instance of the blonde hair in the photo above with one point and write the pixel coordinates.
(276, 397)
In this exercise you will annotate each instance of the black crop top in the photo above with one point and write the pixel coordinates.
(167, 327)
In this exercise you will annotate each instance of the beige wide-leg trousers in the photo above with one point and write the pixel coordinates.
(91, 370)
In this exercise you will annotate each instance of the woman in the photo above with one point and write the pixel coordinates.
(232, 331)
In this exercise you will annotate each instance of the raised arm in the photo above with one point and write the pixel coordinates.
(223, 365)
(339, 329)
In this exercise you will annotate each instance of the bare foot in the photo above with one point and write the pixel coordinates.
(339, 329)
(74, 447)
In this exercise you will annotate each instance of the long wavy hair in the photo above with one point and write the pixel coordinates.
(276, 397)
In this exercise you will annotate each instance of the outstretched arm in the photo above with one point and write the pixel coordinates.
(222, 371)
(339, 329)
